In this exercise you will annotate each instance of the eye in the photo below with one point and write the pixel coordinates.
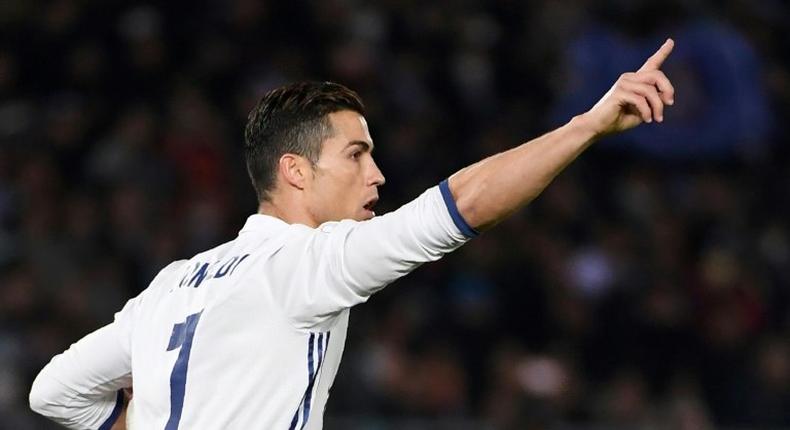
(356, 154)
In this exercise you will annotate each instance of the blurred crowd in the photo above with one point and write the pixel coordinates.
(647, 288)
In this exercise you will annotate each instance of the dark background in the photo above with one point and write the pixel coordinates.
(647, 287)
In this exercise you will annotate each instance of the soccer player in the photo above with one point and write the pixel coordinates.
(250, 334)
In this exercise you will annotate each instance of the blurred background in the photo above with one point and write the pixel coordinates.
(647, 288)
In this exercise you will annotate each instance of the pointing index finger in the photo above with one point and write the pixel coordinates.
(656, 60)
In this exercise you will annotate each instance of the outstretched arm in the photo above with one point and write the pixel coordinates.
(344, 263)
(490, 190)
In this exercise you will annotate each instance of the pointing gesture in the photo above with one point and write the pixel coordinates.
(656, 60)
(635, 97)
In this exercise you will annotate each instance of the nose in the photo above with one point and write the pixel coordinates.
(376, 177)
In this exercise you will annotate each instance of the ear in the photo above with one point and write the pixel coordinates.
(295, 170)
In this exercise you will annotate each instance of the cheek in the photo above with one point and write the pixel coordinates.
(349, 187)
(348, 176)
(338, 188)
(344, 179)
(340, 183)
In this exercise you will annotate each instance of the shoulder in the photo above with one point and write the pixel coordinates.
(299, 234)
(163, 277)
(332, 226)
(170, 270)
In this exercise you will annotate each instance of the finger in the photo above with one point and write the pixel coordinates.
(660, 80)
(656, 60)
(639, 103)
(650, 93)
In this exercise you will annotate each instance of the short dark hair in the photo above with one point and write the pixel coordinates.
(292, 119)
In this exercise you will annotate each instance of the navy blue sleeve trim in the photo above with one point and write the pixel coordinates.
(115, 412)
(458, 220)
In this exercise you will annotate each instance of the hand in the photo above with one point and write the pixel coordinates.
(635, 98)
(120, 422)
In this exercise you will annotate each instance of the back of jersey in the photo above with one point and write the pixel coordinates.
(248, 334)
(212, 348)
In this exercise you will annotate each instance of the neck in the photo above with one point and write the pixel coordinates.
(287, 211)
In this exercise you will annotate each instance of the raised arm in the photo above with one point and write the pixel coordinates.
(490, 190)
(341, 264)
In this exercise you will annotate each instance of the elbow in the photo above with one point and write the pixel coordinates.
(42, 395)
(460, 196)
(476, 213)
(470, 214)
(38, 396)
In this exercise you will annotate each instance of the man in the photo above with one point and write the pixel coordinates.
(250, 334)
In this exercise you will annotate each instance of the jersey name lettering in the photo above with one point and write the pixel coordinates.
(201, 271)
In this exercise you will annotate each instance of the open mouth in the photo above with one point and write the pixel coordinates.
(371, 204)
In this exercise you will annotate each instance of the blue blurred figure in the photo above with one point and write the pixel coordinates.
(724, 109)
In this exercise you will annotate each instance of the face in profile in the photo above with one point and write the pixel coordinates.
(345, 179)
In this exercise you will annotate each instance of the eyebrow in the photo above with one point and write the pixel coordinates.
(367, 146)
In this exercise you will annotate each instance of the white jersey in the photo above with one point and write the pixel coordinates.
(248, 334)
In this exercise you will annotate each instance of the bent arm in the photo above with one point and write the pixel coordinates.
(82, 387)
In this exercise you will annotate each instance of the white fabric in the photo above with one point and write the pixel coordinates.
(266, 300)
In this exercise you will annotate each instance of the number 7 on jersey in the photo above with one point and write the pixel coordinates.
(182, 336)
